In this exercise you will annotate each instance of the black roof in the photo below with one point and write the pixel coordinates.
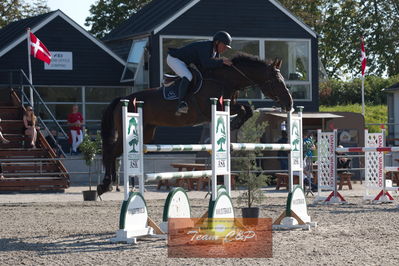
(147, 18)
(14, 30)
(394, 87)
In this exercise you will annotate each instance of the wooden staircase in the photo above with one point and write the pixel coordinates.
(27, 169)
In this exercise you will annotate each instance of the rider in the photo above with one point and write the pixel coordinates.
(204, 55)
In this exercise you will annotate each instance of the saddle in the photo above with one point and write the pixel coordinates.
(170, 85)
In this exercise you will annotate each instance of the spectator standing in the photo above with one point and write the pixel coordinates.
(75, 122)
(30, 120)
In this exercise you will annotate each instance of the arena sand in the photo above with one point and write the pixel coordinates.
(62, 229)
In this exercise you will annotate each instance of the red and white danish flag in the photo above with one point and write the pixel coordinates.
(364, 58)
(38, 49)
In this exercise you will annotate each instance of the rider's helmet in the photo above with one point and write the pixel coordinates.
(224, 37)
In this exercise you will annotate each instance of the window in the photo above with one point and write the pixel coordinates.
(249, 47)
(295, 67)
(136, 68)
(60, 94)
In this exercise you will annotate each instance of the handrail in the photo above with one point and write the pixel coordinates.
(51, 135)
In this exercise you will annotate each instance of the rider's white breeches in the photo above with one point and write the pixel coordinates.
(179, 67)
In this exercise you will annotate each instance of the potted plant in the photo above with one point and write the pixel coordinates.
(249, 177)
(89, 149)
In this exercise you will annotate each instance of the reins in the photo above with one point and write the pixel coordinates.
(245, 76)
(268, 82)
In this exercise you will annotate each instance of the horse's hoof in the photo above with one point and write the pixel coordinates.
(101, 189)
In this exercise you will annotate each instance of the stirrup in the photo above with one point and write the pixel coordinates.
(182, 108)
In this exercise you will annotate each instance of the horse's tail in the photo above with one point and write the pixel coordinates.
(107, 122)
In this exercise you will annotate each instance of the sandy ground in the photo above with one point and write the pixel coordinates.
(62, 229)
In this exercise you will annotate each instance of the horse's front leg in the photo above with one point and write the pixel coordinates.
(244, 112)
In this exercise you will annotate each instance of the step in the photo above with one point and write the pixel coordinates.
(22, 153)
(28, 165)
(7, 168)
(22, 144)
(12, 126)
(33, 184)
(16, 141)
(11, 113)
(19, 175)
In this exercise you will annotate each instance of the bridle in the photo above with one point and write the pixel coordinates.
(268, 83)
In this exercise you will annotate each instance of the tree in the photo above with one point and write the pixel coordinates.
(246, 162)
(106, 15)
(12, 10)
(341, 24)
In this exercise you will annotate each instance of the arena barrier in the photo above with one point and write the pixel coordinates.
(220, 206)
(376, 190)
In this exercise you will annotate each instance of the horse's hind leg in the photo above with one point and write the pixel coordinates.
(244, 112)
(108, 161)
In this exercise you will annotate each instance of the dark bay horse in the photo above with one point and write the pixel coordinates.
(225, 81)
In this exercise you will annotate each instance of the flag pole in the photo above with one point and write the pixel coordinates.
(363, 109)
(30, 68)
(363, 63)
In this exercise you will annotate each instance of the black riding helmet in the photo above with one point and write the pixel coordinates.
(223, 37)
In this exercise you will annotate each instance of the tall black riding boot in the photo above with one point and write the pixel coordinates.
(182, 107)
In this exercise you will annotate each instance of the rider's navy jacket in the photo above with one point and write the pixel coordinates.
(198, 53)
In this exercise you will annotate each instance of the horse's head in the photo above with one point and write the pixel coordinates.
(267, 77)
(275, 88)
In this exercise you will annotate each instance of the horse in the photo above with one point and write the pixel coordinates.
(225, 82)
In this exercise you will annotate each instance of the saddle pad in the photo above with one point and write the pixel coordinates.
(171, 91)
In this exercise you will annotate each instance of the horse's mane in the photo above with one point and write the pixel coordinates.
(247, 59)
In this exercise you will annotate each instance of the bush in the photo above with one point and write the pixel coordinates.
(337, 92)
(375, 114)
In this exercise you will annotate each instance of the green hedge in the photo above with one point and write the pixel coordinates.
(337, 92)
(374, 114)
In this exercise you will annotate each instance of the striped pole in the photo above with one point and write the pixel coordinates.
(177, 148)
(208, 147)
(260, 147)
(391, 169)
(173, 175)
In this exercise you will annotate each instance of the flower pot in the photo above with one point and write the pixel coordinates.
(250, 215)
(89, 195)
(250, 212)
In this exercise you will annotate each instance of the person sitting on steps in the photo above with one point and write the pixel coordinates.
(204, 55)
(30, 125)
